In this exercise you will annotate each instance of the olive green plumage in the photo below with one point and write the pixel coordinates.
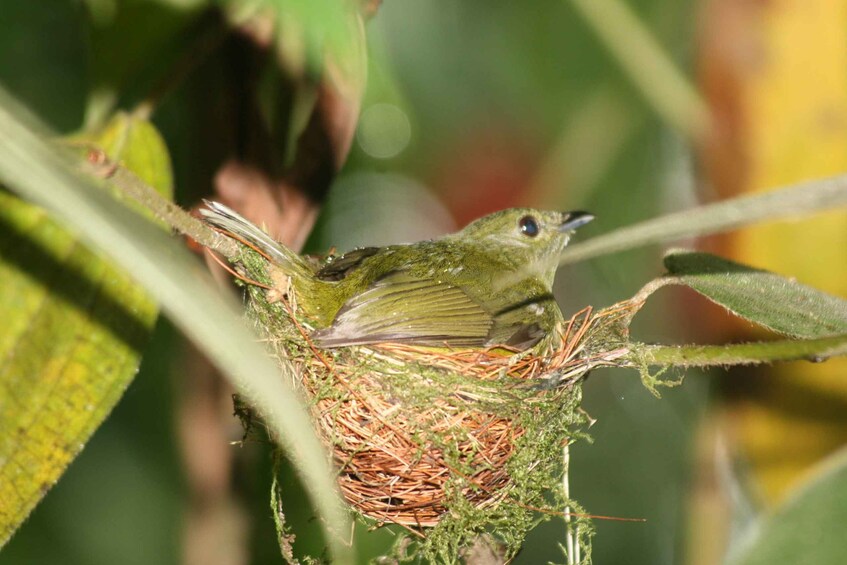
(488, 284)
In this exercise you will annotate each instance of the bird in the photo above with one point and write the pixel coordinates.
(487, 285)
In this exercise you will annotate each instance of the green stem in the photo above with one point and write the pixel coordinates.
(814, 350)
(175, 217)
(791, 202)
(665, 88)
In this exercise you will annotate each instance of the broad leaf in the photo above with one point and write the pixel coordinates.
(809, 527)
(137, 146)
(767, 299)
(73, 330)
(42, 172)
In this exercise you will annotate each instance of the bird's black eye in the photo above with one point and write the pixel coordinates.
(529, 226)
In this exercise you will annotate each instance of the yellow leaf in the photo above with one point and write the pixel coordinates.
(72, 332)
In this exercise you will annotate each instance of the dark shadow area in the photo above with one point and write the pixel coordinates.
(67, 283)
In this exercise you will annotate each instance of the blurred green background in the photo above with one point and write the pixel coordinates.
(471, 106)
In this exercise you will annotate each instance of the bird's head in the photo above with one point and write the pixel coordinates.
(525, 236)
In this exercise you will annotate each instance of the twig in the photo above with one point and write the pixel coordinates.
(174, 216)
(572, 543)
(794, 201)
(814, 350)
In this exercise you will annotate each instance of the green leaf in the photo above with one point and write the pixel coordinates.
(74, 328)
(137, 146)
(43, 173)
(809, 527)
(310, 99)
(310, 33)
(767, 299)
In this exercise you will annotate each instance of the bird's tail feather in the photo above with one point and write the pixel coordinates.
(237, 226)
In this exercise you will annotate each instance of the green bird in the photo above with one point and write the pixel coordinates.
(488, 285)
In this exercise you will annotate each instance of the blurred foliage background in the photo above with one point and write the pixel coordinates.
(470, 106)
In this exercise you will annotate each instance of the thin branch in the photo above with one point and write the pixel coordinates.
(815, 350)
(165, 210)
(665, 88)
(795, 201)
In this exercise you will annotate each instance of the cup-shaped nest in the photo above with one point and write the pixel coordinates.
(462, 441)
(412, 429)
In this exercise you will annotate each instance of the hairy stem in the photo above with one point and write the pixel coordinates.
(814, 350)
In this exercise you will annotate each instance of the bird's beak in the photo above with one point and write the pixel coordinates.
(574, 220)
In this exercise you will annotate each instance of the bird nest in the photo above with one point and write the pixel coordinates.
(448, 443)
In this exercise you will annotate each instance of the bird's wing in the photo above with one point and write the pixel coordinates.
(523, 324)
(402, 308)
(342, 266)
